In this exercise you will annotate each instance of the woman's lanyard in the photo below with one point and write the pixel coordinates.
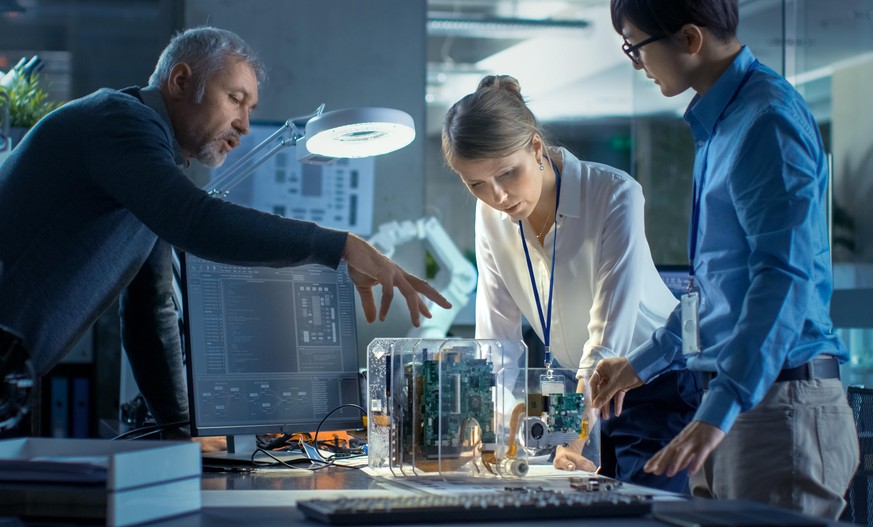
(697, 189)
(545, 322)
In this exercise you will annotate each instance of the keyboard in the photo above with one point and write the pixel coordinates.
(506, 506)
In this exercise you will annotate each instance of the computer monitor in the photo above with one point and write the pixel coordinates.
(269, 350)
(338, 195)
(675, 277)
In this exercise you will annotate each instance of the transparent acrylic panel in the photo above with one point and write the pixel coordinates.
(559, 416)
(447, 406)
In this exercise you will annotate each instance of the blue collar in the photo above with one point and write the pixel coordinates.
(703, 111)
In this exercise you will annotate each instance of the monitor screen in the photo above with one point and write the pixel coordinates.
(675, 276)
(337, 195)
(269, 350)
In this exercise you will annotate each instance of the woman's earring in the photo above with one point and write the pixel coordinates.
(541, 166)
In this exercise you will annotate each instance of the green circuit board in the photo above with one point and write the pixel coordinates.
(566, 412)
(452, 394)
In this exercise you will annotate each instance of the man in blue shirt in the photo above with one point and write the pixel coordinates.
(774, 425)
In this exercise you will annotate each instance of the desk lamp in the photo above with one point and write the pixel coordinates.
(322, 137)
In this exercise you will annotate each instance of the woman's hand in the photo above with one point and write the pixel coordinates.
(566, 458)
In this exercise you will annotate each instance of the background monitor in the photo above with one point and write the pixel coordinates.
(269, 350)
(675, 276)
(337, 195)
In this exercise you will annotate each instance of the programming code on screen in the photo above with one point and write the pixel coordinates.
(270, 346)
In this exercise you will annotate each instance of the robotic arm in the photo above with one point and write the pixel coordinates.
(462, 273)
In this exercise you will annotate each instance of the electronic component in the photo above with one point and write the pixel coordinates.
(513, 504)
(455, 394)
(595, 484)
(444, 405)
(555, 419)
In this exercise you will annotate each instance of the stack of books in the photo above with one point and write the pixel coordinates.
(118, 483)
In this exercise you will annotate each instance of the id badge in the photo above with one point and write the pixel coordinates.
(552, 384)
(690, 304)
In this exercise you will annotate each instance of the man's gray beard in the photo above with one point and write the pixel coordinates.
(210, 155)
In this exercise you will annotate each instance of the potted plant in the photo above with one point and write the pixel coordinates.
(27, 103)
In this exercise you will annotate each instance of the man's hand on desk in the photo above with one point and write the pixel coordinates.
(689, 449)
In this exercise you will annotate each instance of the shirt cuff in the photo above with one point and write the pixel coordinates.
(718, 408)
(329, 245)
(648, 362)
(584, 373)
(591, 355)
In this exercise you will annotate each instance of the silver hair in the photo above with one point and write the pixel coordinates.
(204, 50)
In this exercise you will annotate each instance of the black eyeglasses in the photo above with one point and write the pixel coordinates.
(633, 51)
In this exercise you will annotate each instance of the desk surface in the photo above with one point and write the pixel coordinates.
(268, 496)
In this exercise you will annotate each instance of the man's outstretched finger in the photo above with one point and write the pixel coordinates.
(413, 303)
(425, 288)
(422, 307)
(368, 303)
(387, 297)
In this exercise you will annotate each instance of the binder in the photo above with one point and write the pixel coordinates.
(81, 407)
(60, 410)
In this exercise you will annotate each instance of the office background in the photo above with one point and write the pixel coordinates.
(421, 56)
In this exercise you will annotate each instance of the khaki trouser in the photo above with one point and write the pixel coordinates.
(797, 449)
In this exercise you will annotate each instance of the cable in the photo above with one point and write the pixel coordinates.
(325, 462)
(318, 428)
(329, 462)
(148, 430)
(265, 447)
(281, 461)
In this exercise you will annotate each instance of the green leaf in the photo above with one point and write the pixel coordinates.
(28, 102)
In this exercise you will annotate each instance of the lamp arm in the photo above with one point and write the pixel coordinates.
(241, 168)
(230, 179)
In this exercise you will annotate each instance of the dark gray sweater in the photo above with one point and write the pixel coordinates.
(82, 201)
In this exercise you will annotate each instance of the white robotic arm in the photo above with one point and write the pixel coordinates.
(461, 273)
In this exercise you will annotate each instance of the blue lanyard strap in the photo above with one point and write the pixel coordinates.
(697, 189)
(545, 322)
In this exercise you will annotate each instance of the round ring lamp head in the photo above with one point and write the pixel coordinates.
(359, 132)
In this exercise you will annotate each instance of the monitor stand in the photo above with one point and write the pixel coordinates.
(239, 452)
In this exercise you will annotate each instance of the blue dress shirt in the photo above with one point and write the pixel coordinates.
(763, 261)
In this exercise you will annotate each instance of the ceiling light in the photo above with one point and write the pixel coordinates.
(499, 26)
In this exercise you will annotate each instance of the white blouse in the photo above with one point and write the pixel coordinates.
(608, 297)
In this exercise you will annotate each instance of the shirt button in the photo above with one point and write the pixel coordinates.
(701, 143)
